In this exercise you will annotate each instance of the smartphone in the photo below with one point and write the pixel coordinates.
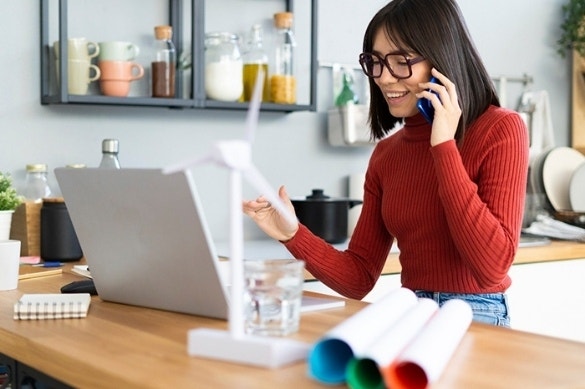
(425, 106)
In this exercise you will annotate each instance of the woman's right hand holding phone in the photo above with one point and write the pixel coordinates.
(446, 105)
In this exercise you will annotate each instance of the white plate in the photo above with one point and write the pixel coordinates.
(577, 189)
(557, 172)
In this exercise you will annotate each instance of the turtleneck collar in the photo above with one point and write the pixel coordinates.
(416, 128)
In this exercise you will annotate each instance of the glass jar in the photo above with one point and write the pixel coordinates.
(223, 67)
(283, 84)
(36, 186)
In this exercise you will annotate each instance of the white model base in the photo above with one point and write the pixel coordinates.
(268, 352)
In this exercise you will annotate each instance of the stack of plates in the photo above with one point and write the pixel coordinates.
(559, 173)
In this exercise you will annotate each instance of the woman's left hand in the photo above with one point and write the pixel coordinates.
(447, 110)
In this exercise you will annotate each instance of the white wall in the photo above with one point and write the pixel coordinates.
(514, 38)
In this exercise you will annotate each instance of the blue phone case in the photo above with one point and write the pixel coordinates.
(426, 107)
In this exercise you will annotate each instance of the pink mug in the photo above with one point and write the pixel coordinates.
(116, 76)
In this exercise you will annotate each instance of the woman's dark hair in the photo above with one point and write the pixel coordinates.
(436, 30)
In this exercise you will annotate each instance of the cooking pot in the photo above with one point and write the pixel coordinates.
(324, 216)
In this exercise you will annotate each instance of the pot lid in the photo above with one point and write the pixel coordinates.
(318, 195)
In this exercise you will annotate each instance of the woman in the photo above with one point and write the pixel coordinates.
(450, 193)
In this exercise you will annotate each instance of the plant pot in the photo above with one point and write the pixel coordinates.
(5, 223)
(326, 217)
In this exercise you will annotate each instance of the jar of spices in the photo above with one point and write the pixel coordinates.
(223, 67)
(283, 84)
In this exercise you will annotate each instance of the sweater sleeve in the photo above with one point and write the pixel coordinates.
(352, 272)
(484, 212)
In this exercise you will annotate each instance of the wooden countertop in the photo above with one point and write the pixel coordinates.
(555, 251)
(133, 347)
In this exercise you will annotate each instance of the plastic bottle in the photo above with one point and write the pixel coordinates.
(255, 58)
(283, 85)
(164, 65)
(36, 186)
(110, 149)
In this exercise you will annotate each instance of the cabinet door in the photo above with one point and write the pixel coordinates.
(549, 298)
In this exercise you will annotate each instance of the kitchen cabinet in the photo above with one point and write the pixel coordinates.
(578, 103)
(190, 20)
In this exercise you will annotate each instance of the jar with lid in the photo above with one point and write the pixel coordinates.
(255, 59)
(164, 64)
(36, 183)
(283, 85)
(223, 67)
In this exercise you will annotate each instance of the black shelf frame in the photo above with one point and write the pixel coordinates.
(198, 99)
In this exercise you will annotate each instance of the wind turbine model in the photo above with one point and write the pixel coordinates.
(235, 345)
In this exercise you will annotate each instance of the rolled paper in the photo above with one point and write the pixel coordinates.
(425, 358)
(328, 359)
(365, 372)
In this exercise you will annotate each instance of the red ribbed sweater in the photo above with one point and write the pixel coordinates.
(455, 212)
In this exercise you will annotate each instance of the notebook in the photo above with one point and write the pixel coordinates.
(146, 241)
(52, 306)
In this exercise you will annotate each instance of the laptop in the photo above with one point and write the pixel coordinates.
(146, 241)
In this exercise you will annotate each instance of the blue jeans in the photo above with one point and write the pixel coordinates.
(489, 308)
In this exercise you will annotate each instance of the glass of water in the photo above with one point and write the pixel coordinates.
(273, 292)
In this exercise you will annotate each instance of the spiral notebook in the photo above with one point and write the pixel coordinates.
(52, 306)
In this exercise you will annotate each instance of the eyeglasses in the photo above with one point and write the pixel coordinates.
(399, 65)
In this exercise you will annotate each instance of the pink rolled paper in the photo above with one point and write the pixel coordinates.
(422, 362)
(365, 371)
(329, 357)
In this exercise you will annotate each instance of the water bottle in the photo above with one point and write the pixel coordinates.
(110, 154)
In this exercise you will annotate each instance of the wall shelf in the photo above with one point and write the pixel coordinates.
(55, 92)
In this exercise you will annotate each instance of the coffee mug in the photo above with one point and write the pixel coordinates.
(117, 51)
(79, 75)
(116, 76)
(79, 49)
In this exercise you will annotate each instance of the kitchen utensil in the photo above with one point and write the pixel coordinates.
(577, 189)
(557, 170)
(325, 216)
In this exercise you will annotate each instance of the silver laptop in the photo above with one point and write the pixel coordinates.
(144, 236)
(146, 241)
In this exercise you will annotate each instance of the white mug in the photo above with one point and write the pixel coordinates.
(9, 264)
(78, 48)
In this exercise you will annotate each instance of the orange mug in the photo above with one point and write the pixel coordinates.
(116, 77)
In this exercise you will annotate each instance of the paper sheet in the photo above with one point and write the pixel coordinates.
(330, 355)
(365, 371)
(425, 358)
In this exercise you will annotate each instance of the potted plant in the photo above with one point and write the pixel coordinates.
(9, 201)
(572, 28)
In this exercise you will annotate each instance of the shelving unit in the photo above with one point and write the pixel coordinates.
(57, 94)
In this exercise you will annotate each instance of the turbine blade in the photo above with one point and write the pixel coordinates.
(255, 178)
(187, 164)
(254, 108)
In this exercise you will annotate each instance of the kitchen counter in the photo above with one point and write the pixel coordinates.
(132, 347)
(556, 250)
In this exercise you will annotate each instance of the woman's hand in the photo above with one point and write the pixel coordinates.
(268, 218)
(447, 110)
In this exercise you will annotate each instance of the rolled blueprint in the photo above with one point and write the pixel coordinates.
(330, 355)
(365, 371)
(422, 362)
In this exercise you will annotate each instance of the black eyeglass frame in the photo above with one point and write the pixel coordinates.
(383, 60)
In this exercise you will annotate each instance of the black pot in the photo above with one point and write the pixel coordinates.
(324, 216)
